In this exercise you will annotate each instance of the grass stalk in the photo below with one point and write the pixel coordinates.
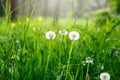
(68, 63)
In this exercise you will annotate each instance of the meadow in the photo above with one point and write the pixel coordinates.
(27, 54)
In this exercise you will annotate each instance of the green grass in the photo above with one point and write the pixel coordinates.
(26, 54)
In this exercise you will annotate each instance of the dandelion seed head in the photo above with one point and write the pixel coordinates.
(50, 35)
(74, 35)
(63, 32)
(89, 60)
(104, 76)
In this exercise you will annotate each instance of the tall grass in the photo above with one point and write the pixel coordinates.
(26, 54)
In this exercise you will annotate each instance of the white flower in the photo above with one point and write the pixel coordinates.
(74, 35)
(104, 76)
(50, 35)
(89, 60)
(83, 62)
(63, 32)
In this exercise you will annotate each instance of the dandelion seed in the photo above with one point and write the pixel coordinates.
(74, 35)
(50, 35)
(63, 32)
(89, 60)
(104, 76)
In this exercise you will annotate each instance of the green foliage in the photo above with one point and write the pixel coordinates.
(102, 15)
(115, 6)
(1, 8)
(26, 54)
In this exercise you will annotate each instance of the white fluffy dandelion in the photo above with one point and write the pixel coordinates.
(63, 32)
(104, 76)
(89, 60)
(74, 35)
(50, 35)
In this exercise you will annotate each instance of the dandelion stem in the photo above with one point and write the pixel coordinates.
(87, 75)
(48, 58)
(60, 45)
(68, 64)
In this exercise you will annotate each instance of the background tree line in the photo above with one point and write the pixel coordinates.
(56, 8)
